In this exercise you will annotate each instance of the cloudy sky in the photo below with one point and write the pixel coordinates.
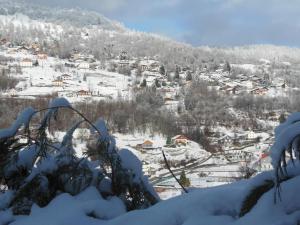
(204, 22)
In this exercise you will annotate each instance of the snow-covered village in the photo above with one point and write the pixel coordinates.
(109, 117)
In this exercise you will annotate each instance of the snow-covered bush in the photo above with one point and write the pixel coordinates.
(286, 146)
(34, 170)
(285, 150)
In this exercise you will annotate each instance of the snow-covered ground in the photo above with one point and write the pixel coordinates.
(208, 206)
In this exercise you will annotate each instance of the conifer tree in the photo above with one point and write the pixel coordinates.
(227, 67)
(189, 76)
(176, 76)
(157, 83)
(162, 70)
(168, 141)
(144, 83)
(138, 72)
(282, 118)
(184, 181)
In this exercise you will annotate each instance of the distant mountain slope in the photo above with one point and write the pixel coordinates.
(256, 52)
(74, 17)
(60, 31)
(69, 25)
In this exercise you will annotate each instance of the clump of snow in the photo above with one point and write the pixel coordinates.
(22, 120)
(206, 206)
(85, 209)
(131, 162)
(25, 159)
(26, 156)
(6, 217)
(46, 166)
(67, 139)
(294, 117)
(101, 127)
(5, 199)
(59, 102)
(105, 185)
(284, 135)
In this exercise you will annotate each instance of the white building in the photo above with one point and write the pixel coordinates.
(66, 77)
(83, 65)
(57, 83)
(251, 135)
(239, 156)
(26, 63)
(13, 92)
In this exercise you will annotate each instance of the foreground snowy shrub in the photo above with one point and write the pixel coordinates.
(208, 206)
(286, 147)
(34, 171)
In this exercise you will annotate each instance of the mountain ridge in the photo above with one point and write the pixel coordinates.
(156, 44)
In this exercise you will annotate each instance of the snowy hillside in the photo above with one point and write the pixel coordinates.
(122, 38)
(257, 52)
(92, 29)
(74, 17)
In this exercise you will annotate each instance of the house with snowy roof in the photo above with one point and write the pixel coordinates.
(147, 144)
(57, 83)
(224, 140)
(265, 162)
(83, 93)
(35, 46)
(3, 41)
(26, 63)
(259, 91)
(42, 56)
(13, 92)
(66, 77)
(123, 63)
(179, 139)
(149, 65)
(238, 155)
(83, 65)
(148, 169)
(251, 135)
(23, 49)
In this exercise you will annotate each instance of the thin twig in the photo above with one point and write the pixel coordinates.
(168, 167)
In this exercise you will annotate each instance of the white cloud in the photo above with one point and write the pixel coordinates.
(109, 5)
(216, 22)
